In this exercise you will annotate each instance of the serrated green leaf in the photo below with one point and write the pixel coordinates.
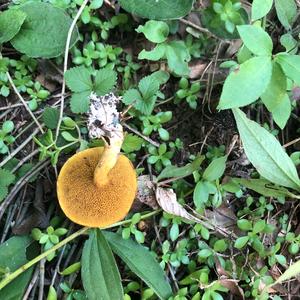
(80, 102)
(141, 262)
(157, 10)
(13, 256)
(39, 35)
(6, 177)
(78, 79)
(3, 192)
(11, 21)
(215, 169)
(132, 96)
(105, 80)
(265, 153)
(132, 143)
(50, 117)
(99, 272)
(154, 31)
(290, 65)
(260, 8)
(286, 12)
(148, 87)
(256, 39)
(246, 85)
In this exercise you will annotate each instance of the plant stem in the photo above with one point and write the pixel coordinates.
(71, 237)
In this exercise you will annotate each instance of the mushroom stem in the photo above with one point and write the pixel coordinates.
(108, 160)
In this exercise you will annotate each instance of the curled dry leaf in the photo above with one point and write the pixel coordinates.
(167, 200)
(145, 193)
(233, 286)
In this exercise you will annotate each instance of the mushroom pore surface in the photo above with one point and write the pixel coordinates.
(86, 204)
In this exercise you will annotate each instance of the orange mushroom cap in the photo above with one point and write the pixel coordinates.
(89, 204)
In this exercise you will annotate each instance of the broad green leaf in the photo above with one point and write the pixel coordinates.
(132, 143)
(241, 242)
(80, 102)
(260, 8)
(286, 12)
(13, 256)
(155, 54)
(290, 65)
(256, 39)
(50, 117)
(291, 272)
(141, 262)
(99, 272)
(6, 177)
(276, 90)
(282, 112)
(178, 57)
(246, 84)
(265, 153)
(40, 36)
(161, 76)
(215, 169)
(78, 79)
(105, 80)
(289, 43)
(158, 10)
(263, 187)
(173, 171)
(11, 21)
(132, 96)
(148, 87)
(154, 31)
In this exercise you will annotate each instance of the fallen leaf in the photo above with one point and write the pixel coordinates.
(145, 193)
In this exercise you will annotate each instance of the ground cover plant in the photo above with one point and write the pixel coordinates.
(149, 149)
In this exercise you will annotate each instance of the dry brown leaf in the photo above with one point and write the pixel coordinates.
(233, 286)
(197, 67)
(145, 193)
(167, 200)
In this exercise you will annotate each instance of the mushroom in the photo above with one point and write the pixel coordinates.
(96, 187)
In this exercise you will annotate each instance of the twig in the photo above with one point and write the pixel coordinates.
(42, 279)
(24, 102)
(197, 27)
(291, 143)
(31, 284)
(13, 153)
(141, 135)
(63, 89)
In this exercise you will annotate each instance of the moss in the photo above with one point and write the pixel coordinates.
(86, 204)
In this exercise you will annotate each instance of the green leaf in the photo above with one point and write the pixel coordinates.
(155, 54)
(205, 253)
(6, 177)
(10, 23)
(276, 90)
(80, 102)
(50, 117)
(13, 256)
(105, 80)
(215, 169)
(286, 12)
(259, 226)
(154, 31)
(99, 272)
(241, 242)
(246, 85)
(141, 262)
(132, 143)
(256, 39)
(39, 35)
(265, 153)
(161, 77)
(290, 65)
(157, 10)
(174, 171)
(263, 187)
(260, 8)
(148, 87)
(71, 269)
(178, 57)
(78, 79)
(8, 126)
(244, 224)
(52, 295)
(68, 136)
(291, 272)
(282, 112)
(132, 96)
